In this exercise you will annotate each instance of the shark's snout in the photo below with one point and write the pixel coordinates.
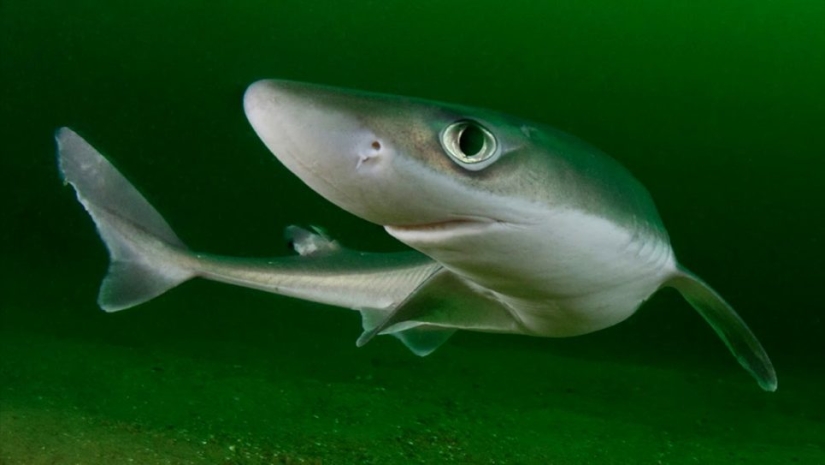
(365, 152)
(323, 137)
(310, 125)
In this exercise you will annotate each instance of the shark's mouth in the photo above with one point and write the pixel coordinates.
(456, 225)
(437, 225)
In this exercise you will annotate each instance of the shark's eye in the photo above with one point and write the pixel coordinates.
(469, 144)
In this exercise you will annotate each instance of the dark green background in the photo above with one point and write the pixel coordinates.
(718, 107)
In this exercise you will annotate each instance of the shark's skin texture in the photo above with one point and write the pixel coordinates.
(516, 227)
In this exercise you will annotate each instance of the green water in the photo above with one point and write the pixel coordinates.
(718, 107)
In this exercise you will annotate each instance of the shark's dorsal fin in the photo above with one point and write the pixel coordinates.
(308, 243)
(430, 314)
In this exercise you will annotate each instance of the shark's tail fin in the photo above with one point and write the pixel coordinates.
(728, 325)
(142, 247)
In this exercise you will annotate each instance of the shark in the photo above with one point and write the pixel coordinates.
(512, 226)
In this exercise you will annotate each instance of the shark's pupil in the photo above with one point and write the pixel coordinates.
(471, 140)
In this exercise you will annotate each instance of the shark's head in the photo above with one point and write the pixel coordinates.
(425, 169)
(391, 160)
(533, 216)
(451, 180)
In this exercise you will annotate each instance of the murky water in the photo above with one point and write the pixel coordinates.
(717, 108)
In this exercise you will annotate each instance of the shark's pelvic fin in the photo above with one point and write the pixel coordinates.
(728, 325)
(133, 231)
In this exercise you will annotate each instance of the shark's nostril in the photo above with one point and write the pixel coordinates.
(369, 156)
(365, 159)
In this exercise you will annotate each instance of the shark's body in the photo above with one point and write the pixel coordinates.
(518, 228)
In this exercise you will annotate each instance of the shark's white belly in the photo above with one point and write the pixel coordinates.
(567, 274)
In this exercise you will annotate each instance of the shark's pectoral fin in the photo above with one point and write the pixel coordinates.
(728, 325)
(439, 306)
(422, 340)
(407, 310)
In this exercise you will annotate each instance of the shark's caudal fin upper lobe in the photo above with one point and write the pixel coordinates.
(728, 325)
(139, 240)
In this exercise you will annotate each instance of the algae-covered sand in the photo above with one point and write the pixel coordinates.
(170, 384)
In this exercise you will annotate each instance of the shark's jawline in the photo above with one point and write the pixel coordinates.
(444, 225)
